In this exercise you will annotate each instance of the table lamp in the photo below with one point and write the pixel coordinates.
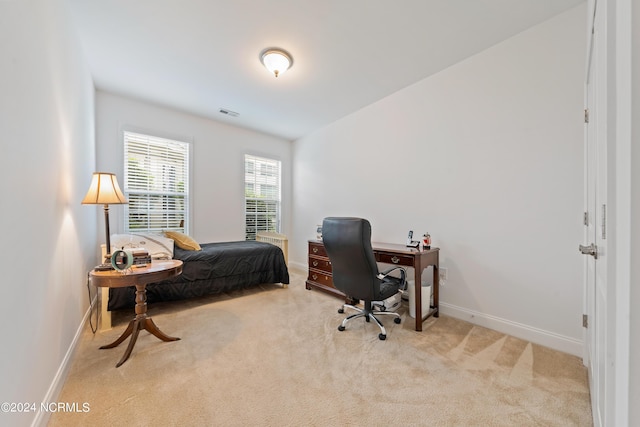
(104, 190)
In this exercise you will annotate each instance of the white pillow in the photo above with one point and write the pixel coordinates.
(158, 246)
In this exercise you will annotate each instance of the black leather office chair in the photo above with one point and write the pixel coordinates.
(355, 271)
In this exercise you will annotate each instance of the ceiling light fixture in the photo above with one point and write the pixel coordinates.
(276, 60)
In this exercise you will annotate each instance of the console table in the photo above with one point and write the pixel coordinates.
(320, 276)
(138, 277)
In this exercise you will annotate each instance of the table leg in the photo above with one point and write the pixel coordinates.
(122, 337)
(134, 337)
(140, 322)
(434, 310)
(436, 291)
(418, 292)
(153, 329)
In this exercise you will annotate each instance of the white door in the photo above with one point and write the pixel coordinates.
(594, 244)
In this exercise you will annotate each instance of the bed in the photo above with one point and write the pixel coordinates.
(216, 268)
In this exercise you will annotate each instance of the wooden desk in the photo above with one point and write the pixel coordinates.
(419, 259)
(138, 277)
(390, 253)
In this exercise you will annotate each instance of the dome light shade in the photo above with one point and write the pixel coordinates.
(277, 61)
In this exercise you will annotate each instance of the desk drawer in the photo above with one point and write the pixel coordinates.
(317, 249)
(320, 277)
(394, 259)
(321, 264)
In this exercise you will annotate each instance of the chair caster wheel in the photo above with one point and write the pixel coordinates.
(341, 310)
(396, 320)
(341, 328)
(382, 337)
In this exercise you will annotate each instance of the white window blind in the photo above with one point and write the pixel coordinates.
(156, 182)
(262, 195)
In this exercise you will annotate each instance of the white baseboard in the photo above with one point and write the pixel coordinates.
(42, 417)
(298, 266)
(538, 336)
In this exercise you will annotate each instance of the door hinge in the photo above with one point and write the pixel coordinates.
(586, 115)
(585, 321)
(585, 218)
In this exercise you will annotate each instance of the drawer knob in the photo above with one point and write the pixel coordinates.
(395, 260)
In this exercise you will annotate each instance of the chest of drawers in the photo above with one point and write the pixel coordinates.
(320, 276)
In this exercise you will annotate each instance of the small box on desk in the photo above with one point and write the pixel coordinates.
(141, 256)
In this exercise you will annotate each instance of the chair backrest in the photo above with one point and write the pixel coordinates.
(353, 264)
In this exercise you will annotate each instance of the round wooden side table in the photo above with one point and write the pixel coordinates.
(138, 277)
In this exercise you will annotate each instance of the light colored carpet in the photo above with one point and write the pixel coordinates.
(274, 357)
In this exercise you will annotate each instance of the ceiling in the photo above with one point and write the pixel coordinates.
(199, 56)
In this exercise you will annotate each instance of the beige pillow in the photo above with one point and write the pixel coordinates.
(183, 241)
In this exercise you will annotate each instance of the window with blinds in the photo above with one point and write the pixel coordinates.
(156, 182)
(261, 195)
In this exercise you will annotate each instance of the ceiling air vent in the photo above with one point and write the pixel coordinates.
(229, 112)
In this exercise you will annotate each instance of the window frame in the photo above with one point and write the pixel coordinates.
(177, 189)
(275, 224)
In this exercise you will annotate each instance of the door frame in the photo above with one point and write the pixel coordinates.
(617, 63)
(621, 270)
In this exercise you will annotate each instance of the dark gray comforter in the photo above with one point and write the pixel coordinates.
(218, 267)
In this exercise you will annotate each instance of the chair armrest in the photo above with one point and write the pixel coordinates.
(403, 273)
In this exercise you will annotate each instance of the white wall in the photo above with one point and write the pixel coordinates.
(487, 157)
(47, 128)
(218, 150)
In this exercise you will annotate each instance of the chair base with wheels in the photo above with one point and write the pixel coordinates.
(367, 313)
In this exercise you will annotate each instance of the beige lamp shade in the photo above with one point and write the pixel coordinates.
(104, 190)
